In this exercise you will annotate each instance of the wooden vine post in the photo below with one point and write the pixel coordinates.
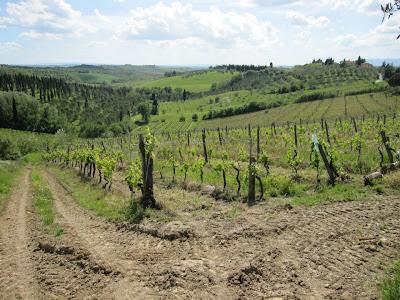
(327, 133)
(389, 150)
(258, 142)
(252, 178)
(203, 136)
(148, 200)
(332, 173)
(219, 136)
(296, 140)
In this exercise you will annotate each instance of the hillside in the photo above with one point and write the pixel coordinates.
(196, 82)
(101, 74)
(214, 98)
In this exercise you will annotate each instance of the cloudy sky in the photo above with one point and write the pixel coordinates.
(193, 32)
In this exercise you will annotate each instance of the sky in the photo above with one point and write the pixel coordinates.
(285, 32)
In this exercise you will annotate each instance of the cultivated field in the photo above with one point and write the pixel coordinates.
(273, 184)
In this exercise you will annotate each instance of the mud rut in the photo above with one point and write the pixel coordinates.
(325, 252)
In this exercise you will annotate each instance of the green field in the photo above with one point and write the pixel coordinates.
(177, 116)
(195, 83)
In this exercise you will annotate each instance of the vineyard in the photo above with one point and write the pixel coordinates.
(284, 192)
(285, 160)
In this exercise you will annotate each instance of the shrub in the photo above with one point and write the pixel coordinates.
(182, 119)
(395, 80)
(282, 186)
(195, 117)
(378, 88)
(315, 96)
(8, 149)
(248, 108)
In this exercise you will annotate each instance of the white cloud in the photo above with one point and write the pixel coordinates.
(49, 16)
(303, 38)
(102, 17)
(4, 22)
(180, 21)
(32, 34)
(299, 19)
(9, 46)
(383, 35)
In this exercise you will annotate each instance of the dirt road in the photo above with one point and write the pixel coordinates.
(332, 251)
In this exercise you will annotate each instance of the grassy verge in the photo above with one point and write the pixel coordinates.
(44, 203)
(9, 173)
(111, 205)
(34, 158)
(389, 288)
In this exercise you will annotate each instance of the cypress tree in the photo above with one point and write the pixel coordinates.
(15, 113)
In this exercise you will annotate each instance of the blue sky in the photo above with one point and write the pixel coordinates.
(193, 32)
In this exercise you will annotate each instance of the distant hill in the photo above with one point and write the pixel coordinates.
(378, 61)
(98, 74)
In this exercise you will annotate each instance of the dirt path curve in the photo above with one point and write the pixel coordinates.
(17, 272)
(106, 243)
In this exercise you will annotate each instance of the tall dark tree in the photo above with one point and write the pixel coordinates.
(15, 114)
(154, 104)
(185, 95)
(329, 61)
(360, 61)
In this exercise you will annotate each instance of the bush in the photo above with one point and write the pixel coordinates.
(182, 119)
(315, 96)
(282, 186)
(248, 108)
(395, 80)
(195, 117)
(8, 150)
(376, 89)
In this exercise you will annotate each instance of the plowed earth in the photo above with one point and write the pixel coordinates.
(334, 251)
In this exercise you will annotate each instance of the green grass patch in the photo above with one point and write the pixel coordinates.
(111, 205)
(44, 203)
(338, 193)
(389, 288)
(9, 173)
(197, 82)
(34, 158)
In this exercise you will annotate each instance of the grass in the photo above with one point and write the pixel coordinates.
(197, 82)
(44, 203)
(9, 173)
(172, 114)
(111, 205)
(389, 288)
(34, 158)
(338, 193)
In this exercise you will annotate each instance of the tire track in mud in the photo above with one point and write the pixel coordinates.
(340, 249)
(108, 244)
(347, 245)
(17, 272)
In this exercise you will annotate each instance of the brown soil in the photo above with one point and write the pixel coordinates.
(332, 251)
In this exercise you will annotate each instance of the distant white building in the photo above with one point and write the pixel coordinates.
(380, 77)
